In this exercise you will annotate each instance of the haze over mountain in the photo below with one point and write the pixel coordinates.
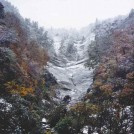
(71, 13)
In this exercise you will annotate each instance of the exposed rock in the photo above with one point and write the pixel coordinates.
(69, 70)
(67, 99)
(49, 79)
(66, 89)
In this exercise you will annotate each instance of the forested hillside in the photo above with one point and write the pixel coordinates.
(23, 56)
(59, 81)
(108, 106)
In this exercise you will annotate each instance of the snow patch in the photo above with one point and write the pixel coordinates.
(6, 106)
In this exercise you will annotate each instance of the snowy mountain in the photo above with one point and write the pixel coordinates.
(68, 66)
(66, 81)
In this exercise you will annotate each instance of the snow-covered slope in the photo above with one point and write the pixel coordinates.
(69, 68)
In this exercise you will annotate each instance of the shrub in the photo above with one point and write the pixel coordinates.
(14, 88)
(56, 114)
(130, 76)
(64, 126)
(106, 89)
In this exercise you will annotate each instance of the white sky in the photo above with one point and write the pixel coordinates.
(71, 13)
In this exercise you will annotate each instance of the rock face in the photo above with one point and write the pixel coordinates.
(69, 68)
(49, 79)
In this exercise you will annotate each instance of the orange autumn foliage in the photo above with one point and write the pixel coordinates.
(14, 88)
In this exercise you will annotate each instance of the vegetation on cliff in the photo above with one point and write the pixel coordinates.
(108, 106)
(22, 80)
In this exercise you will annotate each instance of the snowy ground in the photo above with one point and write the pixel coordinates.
(73, 75)
(76, 79)
(4, 106)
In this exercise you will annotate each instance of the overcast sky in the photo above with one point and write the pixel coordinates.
(71, 13)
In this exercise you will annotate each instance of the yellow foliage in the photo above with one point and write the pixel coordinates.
(48, 132)
(14, 88)
(24, 91)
